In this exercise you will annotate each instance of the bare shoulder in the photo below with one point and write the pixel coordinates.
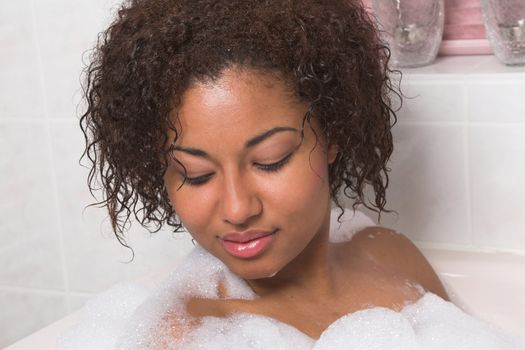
(181, 324)
(395, 252)
(179, 327)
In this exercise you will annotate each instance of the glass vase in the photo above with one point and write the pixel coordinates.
(505, 26)
(412, 29)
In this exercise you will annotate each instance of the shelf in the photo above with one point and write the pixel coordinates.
(475, 67)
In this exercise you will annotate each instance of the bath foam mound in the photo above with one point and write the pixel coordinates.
(131, 317)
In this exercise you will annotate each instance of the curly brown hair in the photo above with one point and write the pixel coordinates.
(329, 53)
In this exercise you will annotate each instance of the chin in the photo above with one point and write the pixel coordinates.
(255, 274)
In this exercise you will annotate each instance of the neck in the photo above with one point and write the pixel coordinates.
(311, 273)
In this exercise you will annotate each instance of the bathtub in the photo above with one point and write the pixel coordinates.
(490, 286)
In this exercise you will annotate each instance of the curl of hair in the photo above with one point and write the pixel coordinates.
(329, 52)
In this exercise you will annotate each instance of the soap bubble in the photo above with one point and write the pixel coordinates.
(130, 317)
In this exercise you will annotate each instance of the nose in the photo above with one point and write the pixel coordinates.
(239, 202)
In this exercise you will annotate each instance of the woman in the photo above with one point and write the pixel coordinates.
(252, 187)
(243, 121)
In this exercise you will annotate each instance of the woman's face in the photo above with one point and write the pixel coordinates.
(253, 194)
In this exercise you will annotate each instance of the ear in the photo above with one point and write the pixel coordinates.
(331, 152)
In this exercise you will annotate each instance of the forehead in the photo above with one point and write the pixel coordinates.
(239, 103)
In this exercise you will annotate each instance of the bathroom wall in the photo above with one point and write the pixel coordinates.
(458, 166)
(54, 253)
(457, 171)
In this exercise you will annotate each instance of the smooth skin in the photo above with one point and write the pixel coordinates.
(242, 164)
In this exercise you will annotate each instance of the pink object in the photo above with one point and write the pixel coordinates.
(464, 32)
(463, 20)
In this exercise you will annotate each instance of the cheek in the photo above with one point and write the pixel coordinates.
(193, 210)
(303, 187)
(301, 191)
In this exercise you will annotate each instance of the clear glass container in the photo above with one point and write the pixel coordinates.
(505, 26)
(412, 29)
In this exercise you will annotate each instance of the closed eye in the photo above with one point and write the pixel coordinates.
(198, 180)
(274, 166)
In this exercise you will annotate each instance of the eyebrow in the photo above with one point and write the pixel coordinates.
(248, 144)
(260, 138)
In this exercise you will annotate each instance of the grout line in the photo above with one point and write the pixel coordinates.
(502, 123)
(428, 78)
(61, 120)
(60, 233)
(22, 120)
(42, 291)
(415, 80)
(466, 165)
(430, 122)
(37, 119)
(82, 294)
(72, 121)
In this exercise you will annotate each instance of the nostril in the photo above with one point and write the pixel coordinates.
(240, 201)
(238, 211)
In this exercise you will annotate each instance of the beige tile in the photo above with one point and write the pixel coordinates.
(94, 258)
(64, 46)
(20, 88)
(34, 261)
(427, 188)
(497, 100)
(446, 98)
(16, 306)
(28, 202)
(498, 187)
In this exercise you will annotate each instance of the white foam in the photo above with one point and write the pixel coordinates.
(198, 276)
(246, 331)
(375, 328)
(104, 318)
(442, 325)
(129, 318)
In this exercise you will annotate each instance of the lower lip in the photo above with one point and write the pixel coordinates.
(249, 249)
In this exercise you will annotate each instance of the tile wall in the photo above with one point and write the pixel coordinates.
(457, 172)
(458, 167)
(54, 253)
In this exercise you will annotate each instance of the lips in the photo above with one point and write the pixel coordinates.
(247, 244)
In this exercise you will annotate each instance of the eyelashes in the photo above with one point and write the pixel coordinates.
(270, 168)
(274, 166)
(196, 181)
